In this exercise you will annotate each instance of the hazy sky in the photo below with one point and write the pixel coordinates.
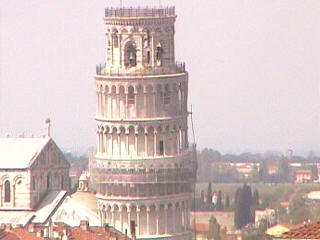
(254, 70)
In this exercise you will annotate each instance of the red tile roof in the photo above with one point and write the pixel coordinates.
(309, 231)
(21, 234)
(94, 233)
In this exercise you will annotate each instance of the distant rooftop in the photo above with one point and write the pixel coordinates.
(140, 12)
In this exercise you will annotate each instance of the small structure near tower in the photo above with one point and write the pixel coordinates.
(84, 182)
(48, 127)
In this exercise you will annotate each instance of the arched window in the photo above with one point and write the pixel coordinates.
(148, 57)
(131, 55)
(115, 39)
(62, 183)
(33, 183)
(159, 54)
(48, 181)
(166, 99)
(7, 191)
(131, 97)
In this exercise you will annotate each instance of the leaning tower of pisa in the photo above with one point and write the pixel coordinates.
(144, 170)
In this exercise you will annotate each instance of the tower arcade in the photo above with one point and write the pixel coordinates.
(143, 170)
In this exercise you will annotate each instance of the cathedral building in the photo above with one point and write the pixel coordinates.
(144, 170)
(32, 170)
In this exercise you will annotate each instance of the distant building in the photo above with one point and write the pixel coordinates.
(200, 220)
(74, 177)
(267, 214)
(303, 175)
(314, 195)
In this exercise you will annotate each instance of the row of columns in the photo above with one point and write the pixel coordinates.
(143, 190)
(152, 217)
(142, 144)
(144, 104)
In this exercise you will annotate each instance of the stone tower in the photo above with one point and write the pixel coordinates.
(143, 171)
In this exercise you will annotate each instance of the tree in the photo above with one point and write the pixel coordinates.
(263, 171)
(227, 202)
(214, 229)
(284, 170)
(219, 205)
(255, 198)
(237, 209)
(243, 206)
(209, 194)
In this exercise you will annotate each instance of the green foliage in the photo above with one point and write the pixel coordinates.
(77, 163)
(214, 229)
(284, 170)
(243, 206)
(227, 203)
(255, 198)
(209, 194)
(219, 205)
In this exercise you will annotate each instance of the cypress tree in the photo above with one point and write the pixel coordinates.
(237, 209)
(209, 194)
(227, 202)
(219, 205)
(256, 198)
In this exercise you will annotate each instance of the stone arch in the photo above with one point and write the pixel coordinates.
(4, 178)
(131, 140)
(140, 108)
(131, 95)
(150, 141)
(124, 30)
(115, 38)
(149, 101)
(130, 54)
(106, 89)
(159, 99)
(167, 94)
(122, 101)
(159, 54)
(7, 191)
(141, 141)
(17, 179)
(113, 100)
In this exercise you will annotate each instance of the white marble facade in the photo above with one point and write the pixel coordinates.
(143, 170)
(30, 168)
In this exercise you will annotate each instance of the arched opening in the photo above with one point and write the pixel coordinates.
(131, 54)
(48, 181)
(115, 39)
(62, 183)
(131, 97)
(159, 55)
(7, 191)
(166, 99)
(33, 183)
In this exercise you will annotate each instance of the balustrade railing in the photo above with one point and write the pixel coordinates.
(179, 67)
(140, 12)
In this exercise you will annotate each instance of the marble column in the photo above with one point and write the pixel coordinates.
(148, 220)
(138, 221)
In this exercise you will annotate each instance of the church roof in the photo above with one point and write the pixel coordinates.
(17, 153)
